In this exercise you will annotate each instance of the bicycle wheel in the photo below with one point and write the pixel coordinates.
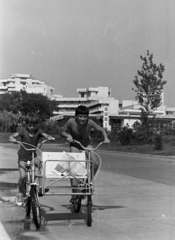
(77, 204)
(35, 207)
(89, 211)
(28, 207)
(27, 198)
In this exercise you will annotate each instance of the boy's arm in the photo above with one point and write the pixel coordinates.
(49, 137)
(12, 138)
(102, 130)
(65, 131)
(67, 136)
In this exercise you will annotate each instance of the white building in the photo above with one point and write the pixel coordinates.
(130, 112)
(26, 82)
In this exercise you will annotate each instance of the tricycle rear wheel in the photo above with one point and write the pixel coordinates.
(89, 211)
(77, 204)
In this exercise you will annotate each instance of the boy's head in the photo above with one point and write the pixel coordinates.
(82, 113)
(31, 122)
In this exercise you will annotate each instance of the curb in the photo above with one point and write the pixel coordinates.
(138, 154)
(9, 169)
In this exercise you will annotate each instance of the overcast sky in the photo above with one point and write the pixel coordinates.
(74, 44)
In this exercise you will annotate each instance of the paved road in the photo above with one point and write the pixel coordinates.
(135, 199)
(156, 169)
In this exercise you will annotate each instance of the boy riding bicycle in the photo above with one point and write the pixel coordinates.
(31, 135)
(77, 129)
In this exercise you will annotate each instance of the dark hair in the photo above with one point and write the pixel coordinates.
(82, 110)
(32, 118)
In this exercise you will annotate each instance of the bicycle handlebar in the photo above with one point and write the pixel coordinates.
(89, 148)
(34, 147)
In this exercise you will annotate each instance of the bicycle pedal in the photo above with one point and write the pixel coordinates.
(27, 217)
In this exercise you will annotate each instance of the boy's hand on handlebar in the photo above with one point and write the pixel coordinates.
(69, 139)
(13, 141)
(50, 138)
(106, 140)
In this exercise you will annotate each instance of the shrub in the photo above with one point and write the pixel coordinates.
(158, 142)
(125, 135)
(8, 121)
(50, 127)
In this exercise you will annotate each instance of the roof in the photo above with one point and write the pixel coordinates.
(21, 75)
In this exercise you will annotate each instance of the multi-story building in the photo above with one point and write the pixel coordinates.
(26, 82)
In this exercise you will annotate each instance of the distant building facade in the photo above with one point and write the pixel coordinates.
(26, 82)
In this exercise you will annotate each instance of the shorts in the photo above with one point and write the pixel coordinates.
(37, 161)
(78, 146)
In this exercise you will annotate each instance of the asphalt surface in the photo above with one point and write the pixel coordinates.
(125, 207)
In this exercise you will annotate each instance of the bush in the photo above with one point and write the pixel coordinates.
(9, 121)
(126, 135)
(113, 135)
(50, 127)
(158, 142)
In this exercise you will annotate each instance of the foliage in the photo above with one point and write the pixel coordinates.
(23, 102)
(150, 85)
(8, 121)
(50, 127)
(158, 142)
(11, 102)
(113, 135)
(125, 136)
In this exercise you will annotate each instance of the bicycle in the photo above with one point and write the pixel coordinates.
(32, 186)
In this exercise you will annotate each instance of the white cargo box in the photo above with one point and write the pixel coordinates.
(59, 164)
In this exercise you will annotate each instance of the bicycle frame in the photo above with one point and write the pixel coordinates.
(30, 163)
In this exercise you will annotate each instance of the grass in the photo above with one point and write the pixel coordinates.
(168, 150)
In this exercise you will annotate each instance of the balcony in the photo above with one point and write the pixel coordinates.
(3, 88)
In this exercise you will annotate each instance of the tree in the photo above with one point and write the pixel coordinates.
(11, 102)
(8, 121)
(23, 102)
(149, 85)
(37, 103)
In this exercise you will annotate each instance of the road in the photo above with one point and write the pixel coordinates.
(156, 169)
(134, 200)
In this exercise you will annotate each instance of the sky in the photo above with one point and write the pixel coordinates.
(72, 44)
